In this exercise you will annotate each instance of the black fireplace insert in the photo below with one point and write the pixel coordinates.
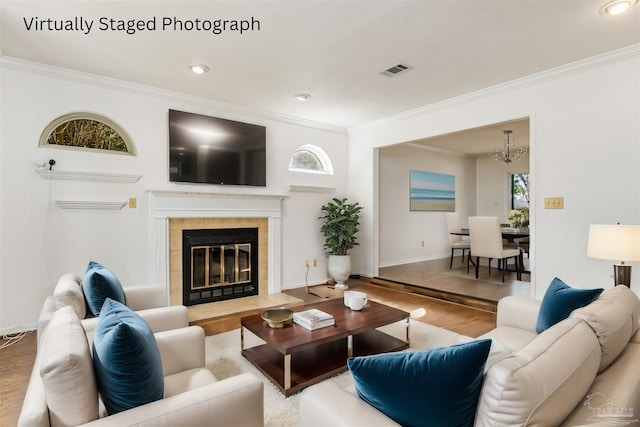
(219, 264)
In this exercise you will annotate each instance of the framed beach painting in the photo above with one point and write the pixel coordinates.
(432, 192)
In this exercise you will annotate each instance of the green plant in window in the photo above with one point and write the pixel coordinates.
(87, 133)
(521, 186)
(305, 160)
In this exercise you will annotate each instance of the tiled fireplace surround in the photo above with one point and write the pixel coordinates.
(177, 225)
(173, 211)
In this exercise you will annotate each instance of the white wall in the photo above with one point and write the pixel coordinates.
(493, 195)
(40, 241)
(585, 142)
(402, 231)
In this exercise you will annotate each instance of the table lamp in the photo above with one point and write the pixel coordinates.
(616, 242)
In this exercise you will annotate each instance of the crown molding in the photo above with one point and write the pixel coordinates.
(619, 55)
(65, 74)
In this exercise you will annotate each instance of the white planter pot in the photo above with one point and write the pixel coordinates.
(339, 267)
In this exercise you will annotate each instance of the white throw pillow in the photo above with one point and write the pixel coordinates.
(66, 370)
(69, 292)
(71, 276)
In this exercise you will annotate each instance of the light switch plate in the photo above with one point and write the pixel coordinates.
(554, 202)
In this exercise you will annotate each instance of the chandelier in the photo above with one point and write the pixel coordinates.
(509, 153)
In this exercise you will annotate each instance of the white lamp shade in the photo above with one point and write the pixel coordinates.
(614, 242)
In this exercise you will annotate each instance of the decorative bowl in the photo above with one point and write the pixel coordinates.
(277, 317)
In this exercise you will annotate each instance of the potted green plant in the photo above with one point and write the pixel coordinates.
(340, 221)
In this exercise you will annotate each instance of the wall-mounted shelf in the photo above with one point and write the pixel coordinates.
(93, 205)
(310, 189)
(89, 176)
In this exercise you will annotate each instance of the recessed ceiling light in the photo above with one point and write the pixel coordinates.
(616, 7)
(302, 96)
(199, 68)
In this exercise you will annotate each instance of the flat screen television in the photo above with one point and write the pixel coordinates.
(211, 150)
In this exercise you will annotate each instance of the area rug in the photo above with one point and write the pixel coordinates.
(223, 358)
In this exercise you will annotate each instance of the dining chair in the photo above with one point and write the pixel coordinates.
(486, 242)
(522, 242)
(457, 242)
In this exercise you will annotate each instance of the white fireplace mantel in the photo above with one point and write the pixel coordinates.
(164, 205)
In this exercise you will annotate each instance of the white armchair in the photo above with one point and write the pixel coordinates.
(192, 395)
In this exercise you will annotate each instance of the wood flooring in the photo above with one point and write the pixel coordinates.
(454, 317)
(16, 361)
(434, 278)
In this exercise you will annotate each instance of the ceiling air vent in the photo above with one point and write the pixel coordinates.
(395, 70)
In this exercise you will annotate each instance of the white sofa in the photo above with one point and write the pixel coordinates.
(563, 376)
(68, 394)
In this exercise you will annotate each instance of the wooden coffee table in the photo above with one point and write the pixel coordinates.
(294, 357)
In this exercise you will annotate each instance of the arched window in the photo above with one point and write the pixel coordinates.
(86, 131)
(310, 159)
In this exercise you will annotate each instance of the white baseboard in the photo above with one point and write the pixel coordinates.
(302, 284)
(31, 327)
(410, 261)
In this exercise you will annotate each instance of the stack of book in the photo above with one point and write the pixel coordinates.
(313, 319)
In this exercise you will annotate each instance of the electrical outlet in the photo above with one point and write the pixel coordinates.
(315, 262)
(306, 263)
(133, 203)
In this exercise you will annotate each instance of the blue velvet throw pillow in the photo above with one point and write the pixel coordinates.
(436, 387)
(99, 284)
(126, 359)
(560, 300)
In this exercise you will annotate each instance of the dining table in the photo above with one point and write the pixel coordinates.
(507, 233)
